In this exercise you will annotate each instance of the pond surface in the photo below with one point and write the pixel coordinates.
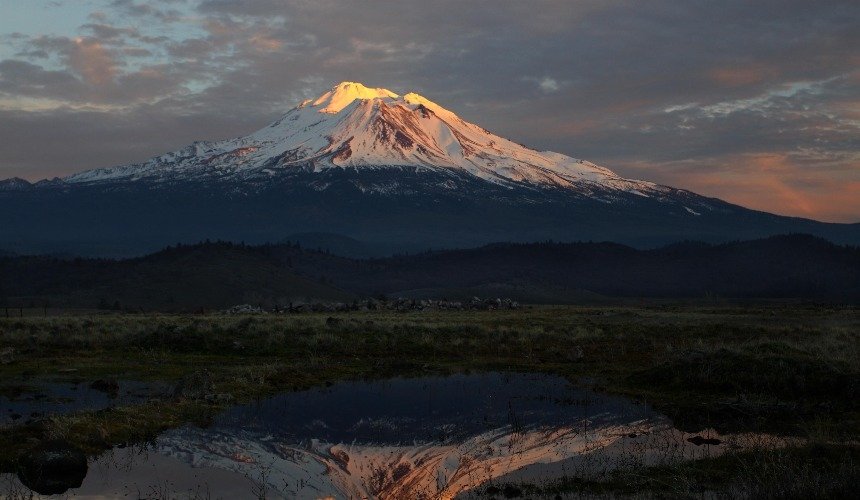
(431, 437)
(21, 403)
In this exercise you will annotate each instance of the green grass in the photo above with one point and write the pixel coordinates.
(790, 370)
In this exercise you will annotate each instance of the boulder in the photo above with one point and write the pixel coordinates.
(53, 467)
(107, 386)
(699, 441)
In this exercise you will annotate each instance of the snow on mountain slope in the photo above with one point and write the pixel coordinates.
(353, 126)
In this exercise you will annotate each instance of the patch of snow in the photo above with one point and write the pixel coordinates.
(692, 211)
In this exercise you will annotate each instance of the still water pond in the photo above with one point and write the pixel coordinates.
(23, 404)
(432, 437)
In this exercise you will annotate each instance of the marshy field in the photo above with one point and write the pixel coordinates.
(669, 400)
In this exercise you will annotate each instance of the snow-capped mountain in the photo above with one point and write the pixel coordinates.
(353, 126)
(397, 172)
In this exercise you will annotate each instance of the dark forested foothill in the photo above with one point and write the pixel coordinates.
(218, 275)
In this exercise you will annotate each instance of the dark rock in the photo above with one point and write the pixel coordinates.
(341, 458)
(7, 355)
(107, 386)
(699, 441)
(53, 467)
(39, 427)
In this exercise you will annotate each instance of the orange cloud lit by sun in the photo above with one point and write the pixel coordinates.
(737, 76)
(771, 182)
(767, 177)
(266, 44)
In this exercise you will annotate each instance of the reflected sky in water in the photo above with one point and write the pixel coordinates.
(430, 409)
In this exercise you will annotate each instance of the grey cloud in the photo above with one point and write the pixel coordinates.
(106, 32)
(136, 52)
(157, 9)
(33, 54)
(190, 48)
(21, 78)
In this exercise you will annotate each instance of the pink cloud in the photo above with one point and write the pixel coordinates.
(92, 61)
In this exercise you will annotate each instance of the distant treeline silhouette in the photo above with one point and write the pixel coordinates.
(218, 274)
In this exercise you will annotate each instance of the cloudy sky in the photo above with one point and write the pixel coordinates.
(756, 102)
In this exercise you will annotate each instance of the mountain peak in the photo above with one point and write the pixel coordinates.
(344, 93)
(414, 98)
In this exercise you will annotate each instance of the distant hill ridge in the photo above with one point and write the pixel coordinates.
(217, 275)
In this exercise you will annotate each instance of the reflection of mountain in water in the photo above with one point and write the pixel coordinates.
(314, 469)
(418, 438)
(402, 438)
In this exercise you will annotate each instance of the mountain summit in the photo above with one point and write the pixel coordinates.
(343, 94)
(394, 172)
